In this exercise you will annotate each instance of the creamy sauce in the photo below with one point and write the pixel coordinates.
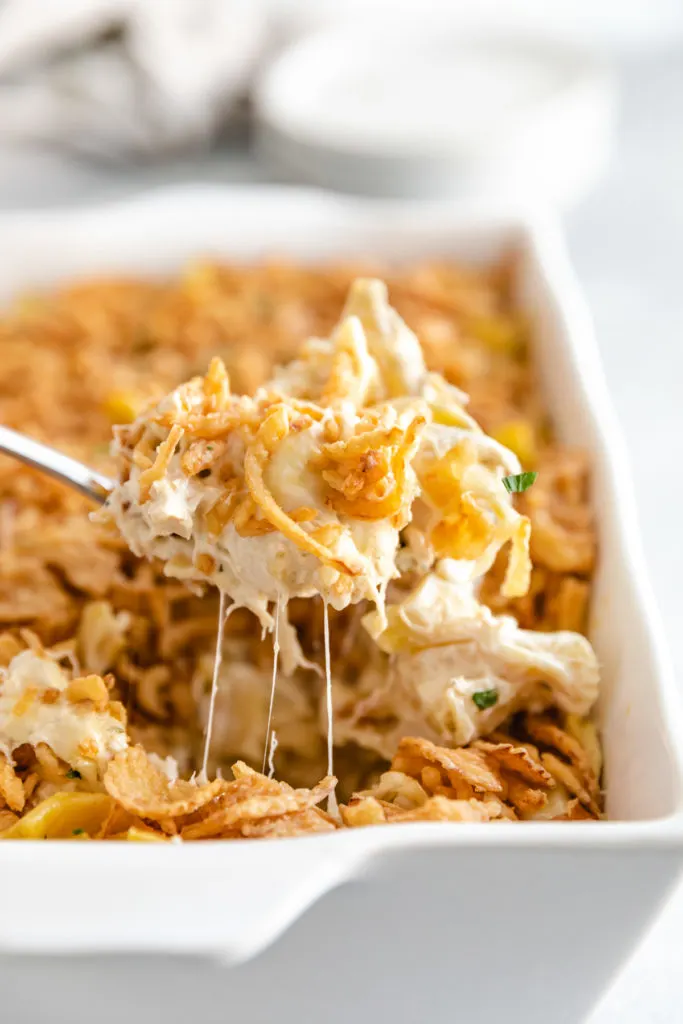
(252, 571)
(68, 729)
(447, 647)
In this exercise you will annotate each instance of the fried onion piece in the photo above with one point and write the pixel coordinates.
(253, 797)
(272, 431)
(368, 475)
(585, 732)
(143, 789)
(304, 822)
(440, 808)
(526, 781)
(571, 780)
(563, 536)
(465, 770)
(368, 810)
(505, 774)
(574, 767)
(400, 789)
(164, 455)
(117, 822)
(575, 812)
(11, 786)
(517, 759)
(210, 426)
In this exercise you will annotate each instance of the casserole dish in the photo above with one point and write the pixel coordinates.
(535, 916)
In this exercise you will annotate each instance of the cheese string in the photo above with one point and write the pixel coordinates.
(332, 799)
(271, 754)
(217, 660)
(276, 654)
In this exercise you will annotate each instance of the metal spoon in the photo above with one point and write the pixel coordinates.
(62, 467)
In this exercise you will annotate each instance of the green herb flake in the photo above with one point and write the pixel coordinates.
(519, 482)
(78, 832)
(485, 699)
(73, 773)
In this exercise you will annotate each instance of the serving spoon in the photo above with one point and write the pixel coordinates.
(89, 482)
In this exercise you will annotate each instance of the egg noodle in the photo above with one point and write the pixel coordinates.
(323, 448)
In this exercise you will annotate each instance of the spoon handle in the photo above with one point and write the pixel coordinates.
(90, 483)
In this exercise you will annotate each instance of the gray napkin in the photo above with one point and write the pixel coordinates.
(118, 79)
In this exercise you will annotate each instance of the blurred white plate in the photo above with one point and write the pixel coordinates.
(410, 110)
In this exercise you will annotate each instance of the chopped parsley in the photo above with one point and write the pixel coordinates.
(485, 699)
(519, 482)
(73, 773)
(78, 832)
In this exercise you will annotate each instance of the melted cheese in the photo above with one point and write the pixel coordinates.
(332, 799)
(270, 736)
(271, 754)
(217, 659)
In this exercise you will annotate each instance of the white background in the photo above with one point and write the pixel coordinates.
(627, 244)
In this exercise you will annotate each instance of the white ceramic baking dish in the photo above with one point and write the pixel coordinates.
(480, 919)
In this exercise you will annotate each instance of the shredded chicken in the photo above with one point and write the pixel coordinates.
(270, 497)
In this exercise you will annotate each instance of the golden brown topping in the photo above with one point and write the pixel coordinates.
(369, 811)
(163, 456)
(495, 778)
(367, 474)
(574, 767)
(464, 771)
(563, 536)
(254, 798)
(143, 789)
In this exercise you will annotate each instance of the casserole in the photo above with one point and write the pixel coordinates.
(476, 918)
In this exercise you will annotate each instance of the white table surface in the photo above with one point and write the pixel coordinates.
(627, 243)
